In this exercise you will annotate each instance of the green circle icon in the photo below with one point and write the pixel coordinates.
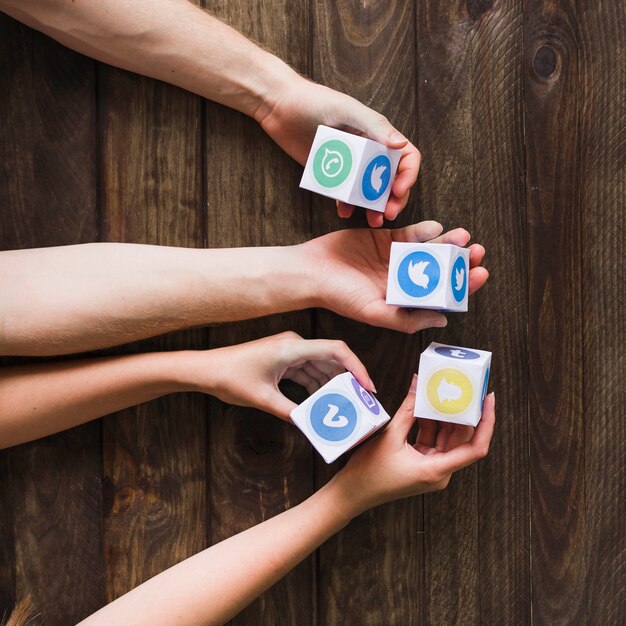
(332, 163)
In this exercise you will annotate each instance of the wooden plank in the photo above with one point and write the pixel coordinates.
(154, 454)
(602, 57)
(51, 500)
(446, 34)
(371, 571)
(557, 456)
(260, 466)
(501, 319)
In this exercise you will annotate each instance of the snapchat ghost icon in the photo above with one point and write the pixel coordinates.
(450, 391)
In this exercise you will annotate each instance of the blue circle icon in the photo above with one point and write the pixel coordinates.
(458, 279)
(333, 417)
(457, 353)
(370, 402)
(485, 384)
(418, 274)
(376, 177)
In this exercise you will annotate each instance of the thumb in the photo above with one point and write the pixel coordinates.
(403, 420)
(371, 123)
(275, 403)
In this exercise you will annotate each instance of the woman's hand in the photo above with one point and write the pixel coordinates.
(390, 467)
(248, 374)
(301, 106)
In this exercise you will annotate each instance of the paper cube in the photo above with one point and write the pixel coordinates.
(428, 276)
(338, 416)
(350, 168)
(452, 384)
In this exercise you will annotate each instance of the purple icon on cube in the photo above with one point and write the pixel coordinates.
(370, 402)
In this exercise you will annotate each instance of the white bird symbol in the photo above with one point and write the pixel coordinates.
(332, 419)
(459, 354)
(448, 391)
(417, 275)
(459, 275)
(376, 177)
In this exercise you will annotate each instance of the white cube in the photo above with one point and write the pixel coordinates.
(452, 384)
(347, 167)
(428, 276)
(338, 416)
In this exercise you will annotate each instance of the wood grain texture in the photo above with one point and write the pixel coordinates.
(602, 55)
(260, 466)
(445, 62)
(154, 454)
(517, 107)
(367, 51)
(553, 105)
(501, 311)
(51, 502)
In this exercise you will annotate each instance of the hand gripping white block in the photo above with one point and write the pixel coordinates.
(428, 276)
(350, 168)
(338, 416)
(452, 384)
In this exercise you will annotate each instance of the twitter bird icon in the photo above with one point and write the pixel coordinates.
(459, 279)
(376, 177)
(419, 274)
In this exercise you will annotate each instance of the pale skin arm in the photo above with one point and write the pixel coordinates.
(177, 42)
(76, 298)
(216, 584)
(45, 398)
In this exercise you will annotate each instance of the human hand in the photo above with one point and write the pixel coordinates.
(352, 267)
(248, 374)
(389, 467)
(302, 106)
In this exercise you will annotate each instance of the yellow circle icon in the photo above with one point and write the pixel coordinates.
(450, 391)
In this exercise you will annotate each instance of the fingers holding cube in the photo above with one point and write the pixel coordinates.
(338, 416)
(350, 168)
(452, 384)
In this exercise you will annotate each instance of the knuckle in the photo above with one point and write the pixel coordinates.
(483, 451)
(381, 119)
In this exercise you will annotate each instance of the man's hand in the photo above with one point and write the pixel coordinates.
(352, 266)
(302, 105)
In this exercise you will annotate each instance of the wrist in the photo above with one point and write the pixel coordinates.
(191, 370)
(273, 80)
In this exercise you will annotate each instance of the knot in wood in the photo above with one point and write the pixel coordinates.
(544, 62)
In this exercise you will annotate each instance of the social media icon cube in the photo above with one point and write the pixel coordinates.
(428, 276)
(452, 384)
(338, 416)
(350, 168)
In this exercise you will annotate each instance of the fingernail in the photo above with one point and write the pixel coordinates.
(413, 387)
(431, 229)
(493, 398)
(372, 386)
(397, 137)
(441, 323)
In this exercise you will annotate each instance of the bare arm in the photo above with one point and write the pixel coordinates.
(76, 298)
(85, 297)
(214, 585)
(177, 42)
(45, 398)
(173, 40)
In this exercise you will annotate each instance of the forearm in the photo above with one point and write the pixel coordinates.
(45, 398)
(174, 41)
(216, 584)
(85, 297)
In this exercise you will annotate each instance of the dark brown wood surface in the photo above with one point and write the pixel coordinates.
(517, 106)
